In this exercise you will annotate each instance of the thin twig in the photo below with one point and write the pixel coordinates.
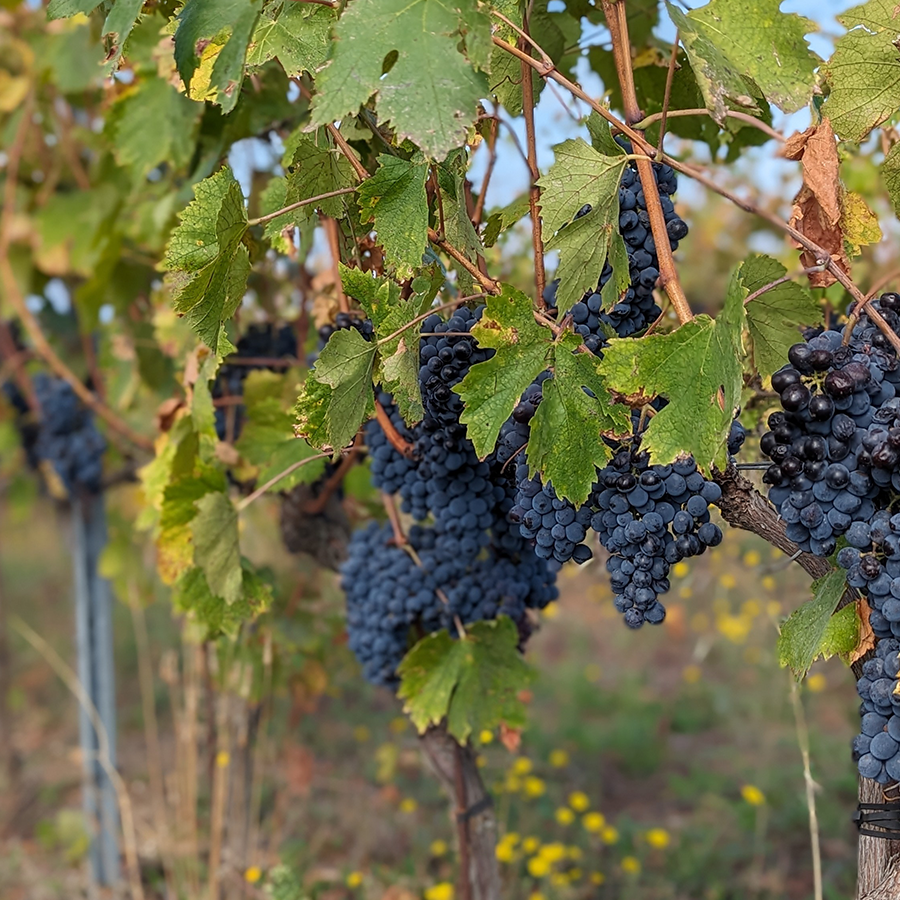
(361, 171)
(488, 283)
(534, 192)
(390, 507)
(273, 481)
(334, 243)
(396, 440)
(488, 172)
(261, 220)
(667, 96)
(803, 742)
(731, 114)
(333, 482)
(26, 316)
(668, 273)
(774, 284)
(462, 823)
(452, 304)
(70, 680)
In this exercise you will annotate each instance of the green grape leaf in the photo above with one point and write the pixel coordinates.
(297, 35)
(698, 368)
(194, 242)
(863, 74)
(890, 173)
(566, 441)
(474, 683)
(502, 219)
(278, 231)
(431, 91)
(118, 26)
(398, 367)
(814, 630)
(491, 389)
(394, 199)
(720, 80)
(458, 228)
(152, 123)
(580, 175)
(859, 223)
(199, 22)
(315, 166)
(774, 318)
(763, 43)
(330, 418)
(217, 548)
(214, 615)
(211, 296)
(64, 9)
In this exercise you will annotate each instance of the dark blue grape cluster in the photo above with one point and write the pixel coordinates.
(835, 474)
(392, 600)
(389, 468)
(343, 321)
(67, 438)
(636, 309)
(260, 341)
(876, 749)
(648, 518)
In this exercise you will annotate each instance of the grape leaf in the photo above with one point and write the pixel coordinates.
(394, 198)
(315, 166)
(296, 34)
(194, 243)
(890, 172)
(202, 20)
(210, 297)
(279, 231)
(774, 318)
(217, 546)
(337, 396)
(474, 683)
(64, 9)
(118, 26)
(215, 615)
(811, 630)
(763, 43)
(863, 74)
(491, 389)
(698, 368)
(500, 220)
(859, 223)
(458, 228)
(720, 81)
(579, 175)
(565, 442)
(430, 92)
(398, 364)
(151, 124)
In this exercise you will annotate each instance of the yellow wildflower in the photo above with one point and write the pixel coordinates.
(522, 766)
(727, 581)
(597, 878)
(579, 801)
(399, 724)
(575, 853)
(538, 867)
(551, 610)
(691, 674)
(531, 845)
(681, 569)
(565, 816)
(253, 874)
(486, 736)
(441, 891)
(817, 682)
(354, 879)
(408, 805)
(593, 822)
(505, 852)
(438, 848)
(752, 558)
(631, 865)
(559, 759)
(753, 795)
(609, 835)
(658, 838)
(768, 582)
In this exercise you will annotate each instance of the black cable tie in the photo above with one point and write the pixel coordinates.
(486, 802)
(883, 816)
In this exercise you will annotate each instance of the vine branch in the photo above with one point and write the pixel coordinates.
(488, 283)
(261, 220)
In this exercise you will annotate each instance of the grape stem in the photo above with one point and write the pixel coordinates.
(488, 172)
(261, 220)
(400, 444)
(668, 274)
(667, 95)
(784, 278)
(283, 474)
(534, 192)
(729, 113)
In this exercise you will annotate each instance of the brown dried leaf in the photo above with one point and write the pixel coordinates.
(167, 412)
(818, 206)
(866, 635)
